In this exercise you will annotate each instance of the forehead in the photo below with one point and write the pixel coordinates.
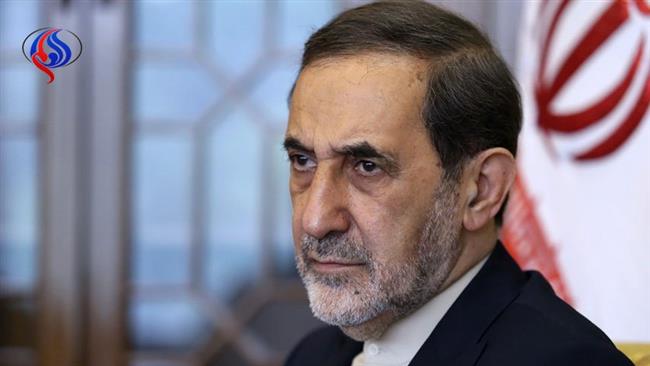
(376, 98)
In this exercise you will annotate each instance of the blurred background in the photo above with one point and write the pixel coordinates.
(144, 209)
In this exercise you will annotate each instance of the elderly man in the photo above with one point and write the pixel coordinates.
(402, 135)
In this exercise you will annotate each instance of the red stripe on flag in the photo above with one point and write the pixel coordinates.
(600, 31)
(547, 41)
(577, 121)
(525, 240)
(625, 129)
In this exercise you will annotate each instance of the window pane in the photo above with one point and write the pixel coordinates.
(271, 94)
(161, 229)
(18, 93)
(163, 25)
(233, 220)
(18, 18)
(172, 91)
(235, 34)
(300, 18)
(231, 130)
(18, 224)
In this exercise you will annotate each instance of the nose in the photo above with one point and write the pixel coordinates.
(326, 208)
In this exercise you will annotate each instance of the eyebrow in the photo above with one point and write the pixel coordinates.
(358, 150)
(292, 143)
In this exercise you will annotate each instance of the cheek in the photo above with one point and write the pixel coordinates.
(389, 233)
(296, 234)
(392, 222)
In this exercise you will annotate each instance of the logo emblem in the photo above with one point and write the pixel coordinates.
(51, 48)
(593, 89)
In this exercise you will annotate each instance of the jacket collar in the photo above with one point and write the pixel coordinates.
(347, 349)
(456, 340)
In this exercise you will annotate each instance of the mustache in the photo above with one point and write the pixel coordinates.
(334, 245)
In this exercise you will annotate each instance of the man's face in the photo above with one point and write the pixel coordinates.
(376, 229)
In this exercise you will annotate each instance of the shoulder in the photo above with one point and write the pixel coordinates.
(317, 346)
(538, 328)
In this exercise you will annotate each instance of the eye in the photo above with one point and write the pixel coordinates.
(302, 163)
(368, 168)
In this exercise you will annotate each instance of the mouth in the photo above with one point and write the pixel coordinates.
(332, 265)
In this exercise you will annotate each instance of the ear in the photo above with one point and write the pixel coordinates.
(488, 181)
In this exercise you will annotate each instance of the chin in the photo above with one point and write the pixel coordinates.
(370, 329)
(360, 315)
(341, 307)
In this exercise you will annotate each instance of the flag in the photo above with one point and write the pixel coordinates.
(580, 208)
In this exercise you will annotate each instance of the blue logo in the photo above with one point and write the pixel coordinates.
(51, 48)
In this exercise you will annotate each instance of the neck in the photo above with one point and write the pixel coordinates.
(371, 329)
(476, 245)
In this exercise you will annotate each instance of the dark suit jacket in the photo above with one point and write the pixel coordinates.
(503, 317)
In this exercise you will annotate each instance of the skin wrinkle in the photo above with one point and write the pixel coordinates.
(356, 150)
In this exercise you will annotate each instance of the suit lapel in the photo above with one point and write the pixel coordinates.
(457, 339)
(347, 349)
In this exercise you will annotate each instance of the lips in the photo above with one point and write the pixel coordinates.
(337, 261)
(334, 264)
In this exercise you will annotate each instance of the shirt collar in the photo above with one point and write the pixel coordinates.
(399, 344)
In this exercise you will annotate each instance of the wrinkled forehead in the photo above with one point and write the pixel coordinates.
(373, 97)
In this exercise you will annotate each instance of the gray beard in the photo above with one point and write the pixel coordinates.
(365, 306)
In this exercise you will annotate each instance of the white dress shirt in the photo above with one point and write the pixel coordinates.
(399, 344)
